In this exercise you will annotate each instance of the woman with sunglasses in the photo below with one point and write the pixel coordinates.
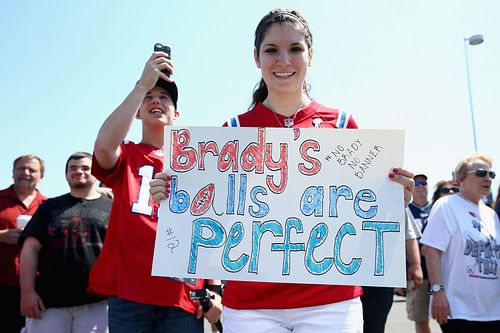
(462, 249)
(444, 188)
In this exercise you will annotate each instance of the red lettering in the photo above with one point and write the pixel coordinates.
(182, 158)
(229, 156)
(281, 165)
(252, 156)
(315, 163)
(203, 149)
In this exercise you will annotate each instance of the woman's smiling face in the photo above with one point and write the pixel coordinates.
(283, 58)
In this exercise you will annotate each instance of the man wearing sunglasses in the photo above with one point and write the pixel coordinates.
(462, 251)
(417, 299)
(420, 206)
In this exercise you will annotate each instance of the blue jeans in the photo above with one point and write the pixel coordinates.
(125, 316)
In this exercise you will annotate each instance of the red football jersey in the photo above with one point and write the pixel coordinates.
(124, 266)
(314, 115)
(268, 295)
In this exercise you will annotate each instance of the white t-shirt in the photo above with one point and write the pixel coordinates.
(412, 231)
(469, 237)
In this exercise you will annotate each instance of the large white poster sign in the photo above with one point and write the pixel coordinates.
(283, 205)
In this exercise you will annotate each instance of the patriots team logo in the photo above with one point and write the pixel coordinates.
(158, 152)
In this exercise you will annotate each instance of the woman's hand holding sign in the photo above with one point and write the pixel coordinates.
(160, 187)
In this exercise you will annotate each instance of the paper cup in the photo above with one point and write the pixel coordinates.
(22, 221)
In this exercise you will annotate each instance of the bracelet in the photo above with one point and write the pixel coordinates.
(216, 288)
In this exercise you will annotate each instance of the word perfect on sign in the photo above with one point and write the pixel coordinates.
(283, 205)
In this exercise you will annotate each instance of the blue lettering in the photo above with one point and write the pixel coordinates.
(335, 193)
(367, 196)
(316, 238)
(258, 230)
(262, 207)
(242, 196)
(287, 246)
(234, 238)
(380, 227)
(312, 201)
(353, 266)
(230, 195)
(179, 200)
(216, 239)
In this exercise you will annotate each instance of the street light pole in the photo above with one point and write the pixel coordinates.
(472, 40)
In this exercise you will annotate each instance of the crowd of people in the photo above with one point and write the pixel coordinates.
(82, 262)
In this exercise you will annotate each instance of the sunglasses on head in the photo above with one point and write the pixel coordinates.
(446, 190)
(482, 173)
(421, 183)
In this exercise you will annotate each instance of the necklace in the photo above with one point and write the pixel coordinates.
(289, 121)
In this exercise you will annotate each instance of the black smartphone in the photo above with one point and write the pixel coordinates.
(167, 50)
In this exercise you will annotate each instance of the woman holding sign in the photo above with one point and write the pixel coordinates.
(283, 52)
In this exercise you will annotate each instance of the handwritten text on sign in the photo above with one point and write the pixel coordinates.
(288, 205)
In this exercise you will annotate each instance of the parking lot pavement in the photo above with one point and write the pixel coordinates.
(398, 322)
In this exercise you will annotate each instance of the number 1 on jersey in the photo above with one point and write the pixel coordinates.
(142, 206)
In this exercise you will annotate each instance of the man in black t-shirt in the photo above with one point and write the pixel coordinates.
(59, 247)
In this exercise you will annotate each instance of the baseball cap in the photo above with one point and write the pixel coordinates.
(421, 175)
(171, 88)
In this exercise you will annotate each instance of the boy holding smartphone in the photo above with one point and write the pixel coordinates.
(137, 300)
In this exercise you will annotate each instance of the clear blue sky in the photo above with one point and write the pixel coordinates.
(65, 65)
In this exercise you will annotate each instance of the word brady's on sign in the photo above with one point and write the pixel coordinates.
(269, 205)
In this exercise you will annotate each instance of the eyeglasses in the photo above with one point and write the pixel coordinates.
(482, 173)
(421, 183)
(446, 190)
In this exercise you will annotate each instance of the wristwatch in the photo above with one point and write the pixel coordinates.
(436, 288)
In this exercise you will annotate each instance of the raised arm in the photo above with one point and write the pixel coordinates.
(116, 126)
